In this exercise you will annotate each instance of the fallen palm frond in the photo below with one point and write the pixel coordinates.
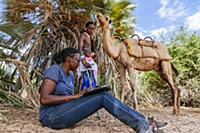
(3, 118)
(28, 94)
(11, 98)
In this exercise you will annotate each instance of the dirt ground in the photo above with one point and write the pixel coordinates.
(15, 120)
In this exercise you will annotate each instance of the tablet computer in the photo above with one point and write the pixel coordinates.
(97, 90)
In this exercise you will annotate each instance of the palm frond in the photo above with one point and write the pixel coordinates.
(16, 30)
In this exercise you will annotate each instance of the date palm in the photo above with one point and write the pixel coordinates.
(37, 29)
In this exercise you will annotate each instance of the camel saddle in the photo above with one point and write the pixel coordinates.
(143, 48)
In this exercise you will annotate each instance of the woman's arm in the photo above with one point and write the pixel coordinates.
(46, 97)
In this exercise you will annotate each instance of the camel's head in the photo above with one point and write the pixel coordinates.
(104, 21)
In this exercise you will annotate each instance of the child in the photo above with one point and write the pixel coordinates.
(87, 71)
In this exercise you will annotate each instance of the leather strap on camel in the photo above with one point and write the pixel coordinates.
(128, 44)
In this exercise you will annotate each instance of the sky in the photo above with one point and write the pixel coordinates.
(156, 17)
(1, 9)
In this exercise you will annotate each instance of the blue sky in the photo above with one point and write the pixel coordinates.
(155, 17)
(1, 9)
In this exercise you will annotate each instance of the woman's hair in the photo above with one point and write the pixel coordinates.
(67, 52)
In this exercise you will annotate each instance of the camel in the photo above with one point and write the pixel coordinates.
(122, 52)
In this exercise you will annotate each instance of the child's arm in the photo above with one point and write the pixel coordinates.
(86, 63)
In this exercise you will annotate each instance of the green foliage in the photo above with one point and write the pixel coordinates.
(121, 13)
(16, 30)
(185, 50)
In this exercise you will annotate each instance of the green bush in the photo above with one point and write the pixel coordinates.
(185, 50)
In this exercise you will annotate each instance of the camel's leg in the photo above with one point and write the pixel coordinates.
(166, 73)
(131, 71)
(122, 72)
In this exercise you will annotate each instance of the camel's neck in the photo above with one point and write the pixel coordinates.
(112, 50)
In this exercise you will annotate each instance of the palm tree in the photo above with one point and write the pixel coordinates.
(37, 29)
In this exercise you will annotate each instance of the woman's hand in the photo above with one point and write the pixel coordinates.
(80, 94)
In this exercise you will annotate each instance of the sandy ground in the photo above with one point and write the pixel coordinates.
(15, 120)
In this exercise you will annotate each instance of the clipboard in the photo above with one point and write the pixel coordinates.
(97, 90)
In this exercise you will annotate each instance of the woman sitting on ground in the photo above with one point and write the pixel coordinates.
(60, 108)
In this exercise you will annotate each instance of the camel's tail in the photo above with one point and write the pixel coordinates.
(174, 69)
